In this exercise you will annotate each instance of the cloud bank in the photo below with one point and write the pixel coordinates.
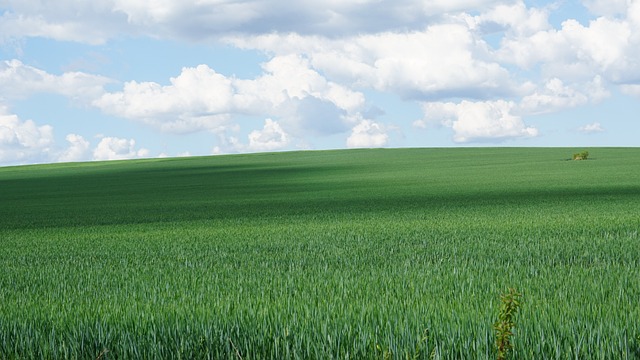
(98, 21)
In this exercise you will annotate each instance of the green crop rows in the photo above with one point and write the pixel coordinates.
(316, 255)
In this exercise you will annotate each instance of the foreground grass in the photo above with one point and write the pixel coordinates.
(339, 254)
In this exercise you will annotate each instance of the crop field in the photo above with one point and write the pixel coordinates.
(350, 254)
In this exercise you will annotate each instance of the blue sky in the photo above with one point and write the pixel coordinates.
(117, 79)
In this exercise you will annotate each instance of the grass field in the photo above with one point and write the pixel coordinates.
(326, 254)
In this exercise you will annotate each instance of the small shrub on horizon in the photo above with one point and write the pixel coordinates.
(581, 155)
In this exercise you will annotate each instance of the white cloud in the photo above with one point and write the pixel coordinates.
(18, 80)
(631, 89)
(113, 148)
(604, 41)
(271, 137)
(442, 60)
(514, 18)
(478, 121)
(91, 22)
(421, 124)
(576, 52)
(556, 96)
(367, 134)
(78, 149)
(633, 15)
(99, 20)
(591, 128)
(608, 8)
(23, 141)
(286, 79)
(201, 99)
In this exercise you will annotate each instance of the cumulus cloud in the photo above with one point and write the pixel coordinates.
(113, 148)
(591, 128)
(18, 80)
(442, 60)
(367, 134)
(202, 99)
(514, 18)
(450, 58)
(576, 52)
(78, 149)
(271, 137)
(199, 98)
(555, 96)
(478, 121)
(24, 141)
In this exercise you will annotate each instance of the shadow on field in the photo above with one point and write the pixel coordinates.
(102, 204)
(314, 184)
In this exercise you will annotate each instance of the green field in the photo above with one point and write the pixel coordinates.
(324, 254)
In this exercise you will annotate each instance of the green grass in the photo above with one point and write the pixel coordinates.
(327, 254)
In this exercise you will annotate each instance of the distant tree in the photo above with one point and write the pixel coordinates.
(581, 156)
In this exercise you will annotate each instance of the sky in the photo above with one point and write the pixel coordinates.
(121, 79)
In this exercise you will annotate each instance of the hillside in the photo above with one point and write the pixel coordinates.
(299, 183)
(322, 254)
